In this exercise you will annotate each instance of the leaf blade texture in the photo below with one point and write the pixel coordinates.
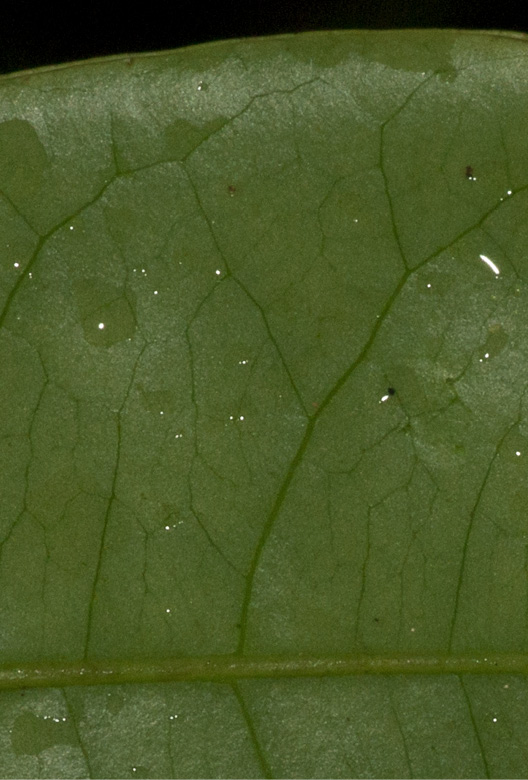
(263, 341)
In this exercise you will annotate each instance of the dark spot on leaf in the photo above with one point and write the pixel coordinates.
(391, 390)
(376, 620)
(469, 173)
(231, 189)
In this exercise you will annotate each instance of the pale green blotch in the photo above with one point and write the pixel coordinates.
(107, 311)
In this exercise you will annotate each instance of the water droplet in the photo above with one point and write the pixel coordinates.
(490, 264)
(107, 311)
(31, 735)
(158, 401)
(495, 342)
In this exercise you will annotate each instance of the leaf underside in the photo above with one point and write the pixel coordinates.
(263, 410)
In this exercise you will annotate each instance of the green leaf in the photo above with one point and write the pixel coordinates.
(263, 410)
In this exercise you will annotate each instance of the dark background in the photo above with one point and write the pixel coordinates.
(34, 35)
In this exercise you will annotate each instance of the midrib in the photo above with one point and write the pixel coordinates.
(227, 668)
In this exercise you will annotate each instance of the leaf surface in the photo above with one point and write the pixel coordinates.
(263, 410)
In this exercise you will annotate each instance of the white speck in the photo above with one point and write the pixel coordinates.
(218, 272)
(384, 398)
(17, 265)
(490, 264)
(508, 192)
(167, 610)
(413, 630)
(506, 686)
(172, 717)
(155, 292)
(243, 362)
(355, 220)
(241, 417)
(71, 227)
(518, 453)
(101, 326)
(429, 285)
(494, 720)
(231, 417)
(200, 86)
(167, 527)
(162, 412)
(30, 275)
(178, 435)
(486, 355)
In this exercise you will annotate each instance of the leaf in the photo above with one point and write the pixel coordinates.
(263, 418)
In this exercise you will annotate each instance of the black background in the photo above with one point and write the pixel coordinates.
(47, 34)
